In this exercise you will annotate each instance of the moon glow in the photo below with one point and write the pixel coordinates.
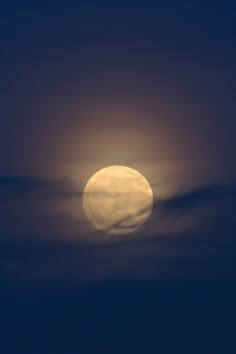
(117, 200)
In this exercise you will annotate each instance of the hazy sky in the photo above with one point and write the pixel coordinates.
(148, 85)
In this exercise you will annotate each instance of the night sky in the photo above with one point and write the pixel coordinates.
(149, 85)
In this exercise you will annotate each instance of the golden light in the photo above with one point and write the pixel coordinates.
(117, 200)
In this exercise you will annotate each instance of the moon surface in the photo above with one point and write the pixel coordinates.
(117, 200)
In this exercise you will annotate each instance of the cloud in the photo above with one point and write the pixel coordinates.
(199, 197)
(34, 207)
(166, 211)
(42, 243)
(51, 205)
(22, 186)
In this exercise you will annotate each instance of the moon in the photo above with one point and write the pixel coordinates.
(117, 200)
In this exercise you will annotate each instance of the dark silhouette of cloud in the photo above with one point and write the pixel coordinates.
(207, 250)
(22, 186)
(186, 203)
(201, 196)
(30, 208)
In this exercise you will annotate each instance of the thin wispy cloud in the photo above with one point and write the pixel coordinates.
(167, 214)
(23, 186)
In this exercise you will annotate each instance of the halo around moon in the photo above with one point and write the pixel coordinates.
(117, 200)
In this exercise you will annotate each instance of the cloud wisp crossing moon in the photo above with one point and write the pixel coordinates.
(15, 190)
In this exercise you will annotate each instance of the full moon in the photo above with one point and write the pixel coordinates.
(117, 200)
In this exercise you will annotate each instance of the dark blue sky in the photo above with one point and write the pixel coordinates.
(87, 85)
